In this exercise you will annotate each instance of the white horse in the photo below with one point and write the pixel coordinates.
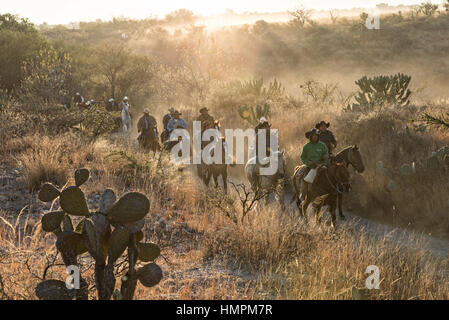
(267, 183)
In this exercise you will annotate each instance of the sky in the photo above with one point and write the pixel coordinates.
(65, 11)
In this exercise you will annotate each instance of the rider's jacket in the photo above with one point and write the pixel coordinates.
(207, 122)
(145, 123)
(316, 152)
(327, 137)
(176, 124)
(166, 119)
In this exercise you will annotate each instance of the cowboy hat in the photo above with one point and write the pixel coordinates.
(176, 112)
(262, 120)
(318, 125)
(125, 98)
(110, 100)
(203, 109)
(311, 132)
(146, 110)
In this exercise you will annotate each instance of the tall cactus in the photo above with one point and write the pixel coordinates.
(381, 90)
(252, 115)
(105, 235)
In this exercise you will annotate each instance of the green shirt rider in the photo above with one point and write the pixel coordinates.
(314, 154)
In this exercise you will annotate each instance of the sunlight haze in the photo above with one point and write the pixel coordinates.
(60, 12)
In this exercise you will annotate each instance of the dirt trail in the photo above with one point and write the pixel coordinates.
(409, 238)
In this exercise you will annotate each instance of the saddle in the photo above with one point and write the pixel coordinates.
(300, 171)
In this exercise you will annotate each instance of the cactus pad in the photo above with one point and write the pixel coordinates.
(48, 193)
(139, 236)
(73, 201)
(148, 251)
(81, 176)
(68, 241)
(52, 220)
(117, 244)
(53, 290)
(67, 223)
(131, 207)
(149, 275)
(107, 200)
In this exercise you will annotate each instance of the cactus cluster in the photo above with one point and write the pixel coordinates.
(381, 90)
(252, 115)
(105, 235)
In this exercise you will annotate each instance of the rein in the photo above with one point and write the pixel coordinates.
(335, 187)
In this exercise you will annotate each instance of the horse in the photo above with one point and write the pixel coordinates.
(348, 156)
(149, 140)
(267, 183)
(208, 171)
(329, 183)
(215, 170)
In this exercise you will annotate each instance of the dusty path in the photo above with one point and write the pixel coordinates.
(409, 238)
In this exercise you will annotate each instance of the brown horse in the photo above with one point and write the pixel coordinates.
(149, 140)
(329, 183)
(209, 171)
(348, 156)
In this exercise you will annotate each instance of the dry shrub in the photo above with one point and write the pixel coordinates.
(49, 158)
(263, 241)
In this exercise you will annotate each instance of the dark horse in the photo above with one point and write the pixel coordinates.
(329, 183)
(215, 170)
(208, 171)
(348, 156)
(149, 140)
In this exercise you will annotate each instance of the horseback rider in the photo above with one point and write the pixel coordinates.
(126, 114)
(314, 155)
(176, 122)
(326, 136)
(110, 105)
(166, 119)
(79, 101)
(263, 124)
(147, 126)
(207, 122)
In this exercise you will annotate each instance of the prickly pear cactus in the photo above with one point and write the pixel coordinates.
(106, 235)
(253, 115)
(381, 90)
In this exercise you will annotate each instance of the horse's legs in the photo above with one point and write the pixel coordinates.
(332, 210)
(215, 179)
(340, 210)
(282, 198)
(304, 206)
(267, 198)
(224, 176)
